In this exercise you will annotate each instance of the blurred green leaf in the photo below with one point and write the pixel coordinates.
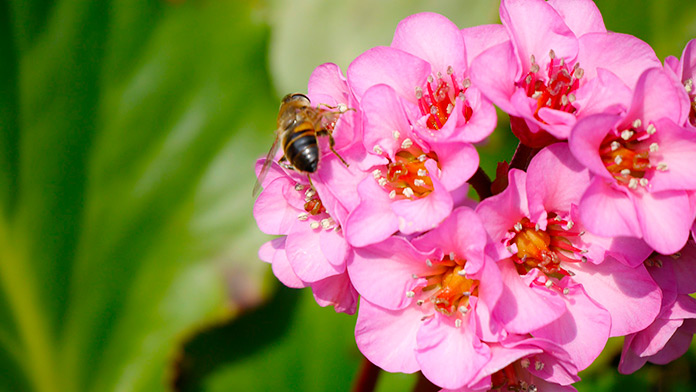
(125, 158)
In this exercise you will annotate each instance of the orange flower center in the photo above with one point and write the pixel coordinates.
(406, 176)
(626, 154)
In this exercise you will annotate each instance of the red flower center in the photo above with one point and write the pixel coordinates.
(626, 154)
(553, 88)
(314, 210)
(512, 377)
(545, 249)
(439, 98)
(406, 176)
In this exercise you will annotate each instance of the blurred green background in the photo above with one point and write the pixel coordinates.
(128, 135)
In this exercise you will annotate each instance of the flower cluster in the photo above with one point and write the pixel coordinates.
(587, 234)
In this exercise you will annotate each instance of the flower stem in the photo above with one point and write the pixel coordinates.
(367, 377)
(423, 385)
(523, 155)
(481, 184)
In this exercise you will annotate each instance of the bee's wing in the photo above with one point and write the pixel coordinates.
(266, 165)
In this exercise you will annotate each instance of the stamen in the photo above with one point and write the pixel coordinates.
(633, 183)
(299, 187)
(378, 150)
(406, 144)
(392, 194)
(303, 216)
(637, 123)
(653, 147)
(314, 225)
(651, 129)
(458, 323)
(396, 134)
(410, 294)
(408, 192)
(626, 134)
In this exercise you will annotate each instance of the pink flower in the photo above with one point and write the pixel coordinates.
(427, 67)
(525, 364)
(669, 336)
(559, 65)
(643, 163)
(684, 71)
(410, 182)
(567, 274)
(428, 310)
(313, 251)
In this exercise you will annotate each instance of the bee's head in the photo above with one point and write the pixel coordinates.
(296, 97)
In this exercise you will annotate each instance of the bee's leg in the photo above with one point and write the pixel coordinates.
(332, 142)
(310, 181)
(341, 107)
(283, 163)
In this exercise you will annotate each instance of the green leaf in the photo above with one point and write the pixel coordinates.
(126, 153)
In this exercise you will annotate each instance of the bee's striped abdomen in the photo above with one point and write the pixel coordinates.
(301, 148)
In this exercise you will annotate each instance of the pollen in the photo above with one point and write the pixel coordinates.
(627, 154)
(447, 288)
(406, 176)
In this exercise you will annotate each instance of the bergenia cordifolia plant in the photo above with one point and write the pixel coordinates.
(586, 234)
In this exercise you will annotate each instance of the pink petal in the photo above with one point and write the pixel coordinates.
(483, 118)
(494, 72)
(383, 65)
(581, 16)
(523, 308)
(449, 356)
(536, 28)
(328, 80)
(458, 161)
(383, 115)
(373, 219)
(478, 39)
(500, 212)
(388, 337)
(336, 184)
(582, 330)
(383, 273)
(273, 214)
(665, 219)
(334, 247)
(624, 55)
(303, 250)
(655, 97)
(607, 211)
(653, 339)
(687, 63)
(433, 38)
(605, 93)
(629, 294)
(274, 252)
(336, 291)
(677, 346)
(685, 269)
(556, 122)
(677, 149)
(555, 181)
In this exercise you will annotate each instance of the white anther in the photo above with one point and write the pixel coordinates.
(314, 225)
(466, 83)
(552, 54)
(524, 362)
(414, 276)
(378, 150)
(626, 172)
(571, 97)
(633, 183)
(651, 129)
(562, 62)
(569, 225)
(428, 263)
(564, 99)
(450, 70)
(637, 123)
(566, 291)
(410, 294)
(382, 181)
(532, 388)
(532, 59)
(461, 96)
(419, 93)
(537, 227)
(626, 134)
(653, 147)
(643, 182)
(449, 108)
(461, 272)
(407, 143)
(439, 75)
(396, 134)
(538, 365)
(463, 309)
(452, 256)
(689, 85)
(579, 73)
(533, 69)
(548, 283)
(422, 157)
(662, 166)
(549, 102)
(299, 187)
(419, 302)
(433, 110)
(422, 172)
(326, 223)
(419, 182)
(615, 145)
(392, 194)
(408, 192)
(583, 259)
(342, 108)
(457, 323)
(518, 227)
(376, 173)
(430, 78)
(310, 192)
(303, 216)
(466, 293)
(618, 159)
(536, 94)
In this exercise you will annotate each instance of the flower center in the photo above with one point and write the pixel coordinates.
(545, 249)
(406, 176)
(691, 92)
(314, 210)
(448, 288)
(627, 155)
(512, 377)
(439, 98)
(554, 89)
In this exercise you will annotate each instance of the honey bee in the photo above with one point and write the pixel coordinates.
(299, 124)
